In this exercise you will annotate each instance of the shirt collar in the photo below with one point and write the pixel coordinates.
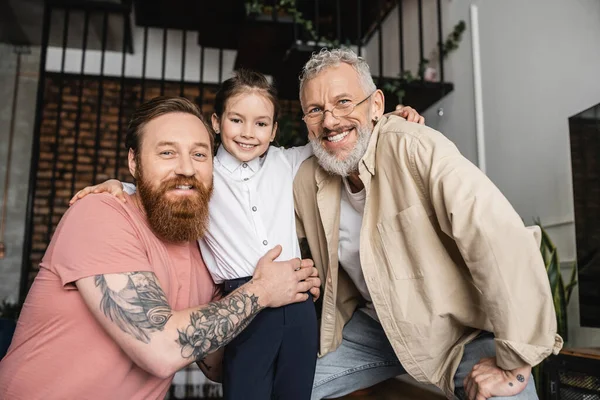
(231, 164)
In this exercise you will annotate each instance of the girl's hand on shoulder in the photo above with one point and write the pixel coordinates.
(409, 114)
(111, 186)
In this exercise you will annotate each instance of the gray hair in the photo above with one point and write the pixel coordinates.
(332, 58)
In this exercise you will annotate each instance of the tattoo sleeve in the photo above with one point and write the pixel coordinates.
(139, 308)
(136, 303)
(217, 324)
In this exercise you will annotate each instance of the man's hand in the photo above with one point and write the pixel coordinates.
(487, 380)
(408, 113)
(284, 282)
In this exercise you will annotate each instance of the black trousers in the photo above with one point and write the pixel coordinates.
(275, 356)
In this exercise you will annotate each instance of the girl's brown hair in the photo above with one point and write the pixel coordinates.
(242, 81)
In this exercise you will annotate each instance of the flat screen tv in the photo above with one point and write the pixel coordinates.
(584, 133)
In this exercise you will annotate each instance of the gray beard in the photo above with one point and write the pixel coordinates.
(330, 163)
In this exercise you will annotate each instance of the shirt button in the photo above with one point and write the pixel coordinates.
(328, 317)
(254, 208)
(245, 165)
(265, 242)
(329, 280)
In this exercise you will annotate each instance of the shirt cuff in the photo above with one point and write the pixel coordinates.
(511, 355)
(129, 188)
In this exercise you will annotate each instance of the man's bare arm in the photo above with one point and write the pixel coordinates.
(134, 310)
(132, 307)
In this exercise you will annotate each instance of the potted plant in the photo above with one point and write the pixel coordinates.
(561, 293)
(9, 313)
(398, 86)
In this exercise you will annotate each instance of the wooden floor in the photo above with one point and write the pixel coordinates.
(394, 389)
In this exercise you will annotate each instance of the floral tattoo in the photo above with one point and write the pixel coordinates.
(217, 324)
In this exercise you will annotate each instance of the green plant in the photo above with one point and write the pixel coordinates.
(451, 43)
(9, 310)
(257, 7)
(454, 38)
(397, 86)
(289, 132)
(561, 292)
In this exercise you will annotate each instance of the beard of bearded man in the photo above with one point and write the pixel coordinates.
(176, 219)
(329, 161)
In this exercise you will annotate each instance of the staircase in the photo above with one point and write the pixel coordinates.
(276, 37)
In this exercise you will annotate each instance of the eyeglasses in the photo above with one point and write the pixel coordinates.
(341, 110)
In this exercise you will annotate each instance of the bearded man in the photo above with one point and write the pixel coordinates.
(427, 268)
(123, 299)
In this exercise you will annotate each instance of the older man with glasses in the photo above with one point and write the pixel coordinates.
(427, 269)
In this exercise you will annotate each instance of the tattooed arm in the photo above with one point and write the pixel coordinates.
(212, 365)
(134, 310)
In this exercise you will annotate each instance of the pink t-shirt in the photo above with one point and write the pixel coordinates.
(59, 350)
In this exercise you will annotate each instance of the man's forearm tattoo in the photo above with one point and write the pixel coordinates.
(139, 308)
(217, 324)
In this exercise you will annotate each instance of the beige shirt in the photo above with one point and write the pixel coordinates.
(443, 253)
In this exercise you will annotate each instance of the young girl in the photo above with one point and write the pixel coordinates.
(252, 209)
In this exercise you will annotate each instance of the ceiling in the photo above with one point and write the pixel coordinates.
(21, 24)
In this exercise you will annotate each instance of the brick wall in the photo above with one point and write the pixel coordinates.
(69, 158)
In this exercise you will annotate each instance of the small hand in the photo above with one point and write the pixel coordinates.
(487, 380)
(315, 290)
(284, 282)
(111, 186)
(409, 114)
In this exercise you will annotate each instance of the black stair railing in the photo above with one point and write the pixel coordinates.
(53, 167)
(353, 23)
